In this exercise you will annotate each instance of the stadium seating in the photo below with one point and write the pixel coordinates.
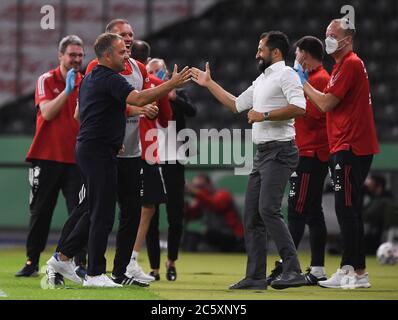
(227, 36)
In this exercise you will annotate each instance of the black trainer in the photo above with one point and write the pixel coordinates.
(126, 281)
(275, 273)
(155, 275)
(311, 279)
(171, 273)
(250, 284)
(28, 270)
(289, 280)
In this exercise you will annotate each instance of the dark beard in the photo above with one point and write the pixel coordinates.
(263, 64)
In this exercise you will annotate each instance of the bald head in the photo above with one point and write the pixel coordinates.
(140, 51)
(342, 27)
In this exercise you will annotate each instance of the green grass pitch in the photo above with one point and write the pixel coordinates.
(200, 277)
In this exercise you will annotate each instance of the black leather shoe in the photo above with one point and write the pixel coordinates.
(275, 273)
(250, 284)
(28, 270)
(288, 280)
(171, 273)
(155, 275)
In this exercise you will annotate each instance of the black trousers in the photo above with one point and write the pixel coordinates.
(98, 164)
(349, 173)
(47, 179)
(74, 218)
(174, 178)
(305, 206)
(129, 199)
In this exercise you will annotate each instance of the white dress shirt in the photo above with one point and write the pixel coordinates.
(277, 87)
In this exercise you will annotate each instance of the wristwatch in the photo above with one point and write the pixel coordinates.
(266, 116)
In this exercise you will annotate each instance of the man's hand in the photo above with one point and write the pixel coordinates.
(133, 111)
(302, 74)
(180, 78)
(70, 81)
(254, 116)
(202, 78)
(150, 111)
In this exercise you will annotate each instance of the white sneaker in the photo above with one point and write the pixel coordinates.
(344, 277)
(133, 270)
(66, 268)
(50, 276)
(362, 281)
(101, 281)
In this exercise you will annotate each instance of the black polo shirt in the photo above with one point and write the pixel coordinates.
(102, 107)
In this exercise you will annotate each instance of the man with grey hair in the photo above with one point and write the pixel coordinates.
(103, 96)
(352, 142)
(52, 153)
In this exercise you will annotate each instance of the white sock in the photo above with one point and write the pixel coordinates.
(134, 255)
(318, 271)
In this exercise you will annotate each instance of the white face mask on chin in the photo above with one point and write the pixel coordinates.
(332, 45)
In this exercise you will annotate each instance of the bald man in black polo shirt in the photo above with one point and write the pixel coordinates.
(102, 104)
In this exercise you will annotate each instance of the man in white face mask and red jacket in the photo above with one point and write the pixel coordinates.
(352, 141)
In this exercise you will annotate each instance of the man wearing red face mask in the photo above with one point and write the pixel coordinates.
(352, 141)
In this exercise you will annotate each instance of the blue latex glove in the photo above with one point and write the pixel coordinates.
(70, 81)
(302, 74)
(161, 74)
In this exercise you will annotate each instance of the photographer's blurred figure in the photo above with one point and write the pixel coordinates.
(223, 225)
(376, 211)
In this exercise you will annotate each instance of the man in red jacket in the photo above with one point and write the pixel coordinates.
(352, 141)
(224, 228)
(52, 152)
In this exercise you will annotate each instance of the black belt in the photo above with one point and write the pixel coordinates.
(274, 144)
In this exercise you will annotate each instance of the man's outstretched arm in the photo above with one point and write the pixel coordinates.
(203, 78)
(150, 95)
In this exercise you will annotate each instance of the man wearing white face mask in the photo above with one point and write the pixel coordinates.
(352, 141)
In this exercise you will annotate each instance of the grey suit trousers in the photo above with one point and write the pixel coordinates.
(273, 164)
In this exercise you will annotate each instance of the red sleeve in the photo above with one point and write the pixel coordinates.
(91, 65)
(319, 83)
(144, 74)
(343, 80)
(217, 202)
(44, 89)
(165, 113)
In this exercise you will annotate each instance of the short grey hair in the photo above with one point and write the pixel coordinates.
(109, 27)
(69, 40)
(347, 26)
(158, 60)
(104, 43)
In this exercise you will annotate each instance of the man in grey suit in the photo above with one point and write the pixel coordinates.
(275, 98)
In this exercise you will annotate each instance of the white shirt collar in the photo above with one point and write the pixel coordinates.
(275, 67)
